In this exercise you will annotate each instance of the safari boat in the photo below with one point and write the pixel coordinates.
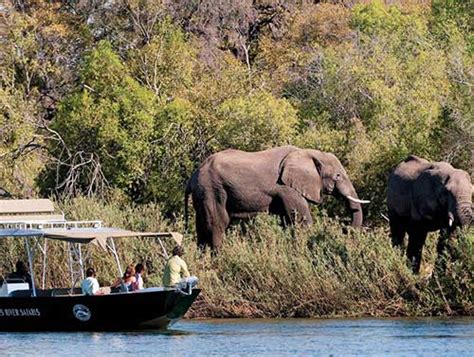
(30, 308)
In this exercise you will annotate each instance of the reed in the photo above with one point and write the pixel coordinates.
(266, 271)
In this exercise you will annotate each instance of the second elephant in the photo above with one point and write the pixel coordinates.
(423, 197)
(282, 181)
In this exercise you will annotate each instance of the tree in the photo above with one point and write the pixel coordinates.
(165, 64)
(20, 147)
(256, 122)
(103, 129)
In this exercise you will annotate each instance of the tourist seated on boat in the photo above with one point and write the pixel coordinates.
(90, 285)
(21, 273)
(176, 268)
(128, 280)
(139, 270)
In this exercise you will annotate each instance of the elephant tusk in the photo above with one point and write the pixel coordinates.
(450, 219)
(356, 200)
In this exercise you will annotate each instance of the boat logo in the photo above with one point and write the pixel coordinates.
(81, 312)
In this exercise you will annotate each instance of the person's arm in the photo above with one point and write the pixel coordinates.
(116, 283)
(96, 288)
(83, 287)
(184, 270)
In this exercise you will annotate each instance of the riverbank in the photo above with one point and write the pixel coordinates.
(270, 272)
(322, 272)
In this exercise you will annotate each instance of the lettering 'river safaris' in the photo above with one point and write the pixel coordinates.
(19, 312)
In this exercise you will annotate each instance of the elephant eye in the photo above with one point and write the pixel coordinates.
(338, 177)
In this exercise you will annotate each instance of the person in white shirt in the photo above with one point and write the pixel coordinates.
(139, 269)
(90, 285)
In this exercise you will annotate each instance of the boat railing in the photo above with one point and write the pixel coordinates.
(45, 224)
(186, 285)
(37, 214)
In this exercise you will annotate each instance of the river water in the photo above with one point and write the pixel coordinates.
(300, 337)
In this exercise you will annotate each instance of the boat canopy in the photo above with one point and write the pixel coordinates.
(33, 219)
(38, 218)
(97, 236)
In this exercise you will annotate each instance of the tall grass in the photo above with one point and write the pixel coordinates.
(267, 271)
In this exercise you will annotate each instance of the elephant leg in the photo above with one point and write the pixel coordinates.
(219, 228)
(203, 234)
(397, 230)
(292, 207)
(442, 241)
(445, 236)
(445, 241)
(211, 222)
(416, 240)
(215, 222)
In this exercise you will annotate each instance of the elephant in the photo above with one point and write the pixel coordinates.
(234, 184)
(423, 197)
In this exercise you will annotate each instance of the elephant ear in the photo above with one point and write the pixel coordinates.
(300, 170)
(428, 194)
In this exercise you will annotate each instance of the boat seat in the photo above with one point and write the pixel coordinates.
(11, 281)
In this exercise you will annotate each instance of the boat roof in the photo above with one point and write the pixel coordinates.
(37, 218)
(96, 236)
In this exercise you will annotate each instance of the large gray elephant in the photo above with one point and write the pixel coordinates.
(236, 184)
(425, 196)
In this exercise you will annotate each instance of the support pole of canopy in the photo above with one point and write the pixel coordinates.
(30, 262)
(81, 262)
(71, 262)
(114, 252)
(45, 254)
(163, 248)
(76, 263)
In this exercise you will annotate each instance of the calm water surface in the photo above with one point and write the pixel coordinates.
(408, 337)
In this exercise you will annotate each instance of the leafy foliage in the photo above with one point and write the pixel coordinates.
(19, 159)
(150, 89)
(256, 122)
(106, 127)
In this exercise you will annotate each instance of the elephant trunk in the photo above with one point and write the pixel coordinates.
(459, 210)
(464, 214)
(349, 193)
(357, 215)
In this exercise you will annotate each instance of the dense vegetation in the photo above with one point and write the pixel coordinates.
(272, 272)
(120, 100)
